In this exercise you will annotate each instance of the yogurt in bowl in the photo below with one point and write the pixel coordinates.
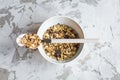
(60, 20)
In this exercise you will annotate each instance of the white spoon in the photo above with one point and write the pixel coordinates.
(59, 40)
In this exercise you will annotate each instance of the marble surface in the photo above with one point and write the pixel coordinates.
(97, 61)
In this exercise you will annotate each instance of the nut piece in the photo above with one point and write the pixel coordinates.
(31, 41)
(60, 51)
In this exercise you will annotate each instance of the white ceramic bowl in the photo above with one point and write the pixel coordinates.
(62, 20)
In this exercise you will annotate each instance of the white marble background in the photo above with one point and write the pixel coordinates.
(98, 19)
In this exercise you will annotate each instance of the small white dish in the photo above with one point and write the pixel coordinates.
(62, 20)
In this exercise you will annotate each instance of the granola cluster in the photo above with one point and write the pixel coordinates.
(31, 41)
(60, 51)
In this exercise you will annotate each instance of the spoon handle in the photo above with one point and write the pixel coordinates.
(74, 40)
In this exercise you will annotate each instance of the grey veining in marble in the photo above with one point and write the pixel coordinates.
(98, 19)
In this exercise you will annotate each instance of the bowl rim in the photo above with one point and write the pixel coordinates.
(71, 60)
